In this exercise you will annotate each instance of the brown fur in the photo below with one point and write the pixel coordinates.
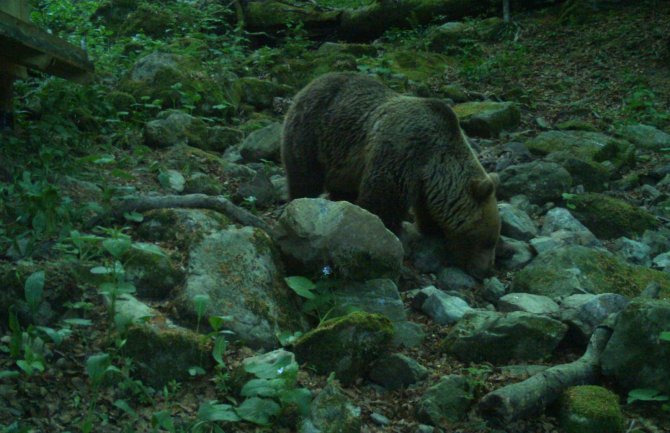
(353, 137)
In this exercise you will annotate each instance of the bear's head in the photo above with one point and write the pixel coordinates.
(473, 245)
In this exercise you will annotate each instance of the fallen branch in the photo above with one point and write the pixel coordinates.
(533, 394)
(192, 201)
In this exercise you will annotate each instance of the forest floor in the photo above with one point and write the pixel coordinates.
(610, 67)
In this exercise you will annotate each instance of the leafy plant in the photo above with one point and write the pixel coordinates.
(319, 297)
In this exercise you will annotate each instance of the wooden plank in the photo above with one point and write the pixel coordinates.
(24, 43)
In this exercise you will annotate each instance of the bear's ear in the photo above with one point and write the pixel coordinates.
(482, 188)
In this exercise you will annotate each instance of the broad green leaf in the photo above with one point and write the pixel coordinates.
(135, 217)
(117, 247)
(282, 364)
(172, 179)
(220, 345)
(201, 302)
(25, 366)
(163, 420)
(102, 270)
(665, 336)
(57, 336)
(96, 366)
(645, 394)
(301, 397)
(216, 322)
(34, 289)
(8, 374)
(149, 248)
(76, 321)
(263, 387)
(214, 411)
(196, 371)
(302, 286)
(124, 406)
(258, 410)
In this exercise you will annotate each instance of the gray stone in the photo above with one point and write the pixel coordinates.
(584, 312)
(445, 309)
(512, 254)
(445, 402)
(236, 272)
(658, 241)
(259, 191)
(487, 336)
(634, 356)
(516, 223)
(540, 181)
(418, 297)
(408, 334)
(487, 118)
(346, 346)
(396, 371)
(130, 310)
(173, 128)
(427, 254)
(645, 137)
(172, 180)
(152, 270)
(262, 144)
(535, 304)
(584, 145)
(560, 218)
(202, 183)
(577, 269)
(545, 243)
(379, 419)
(261, 93)
(493, 289)
(662, 261)
(632, 251)
(356, 245)
(455, 279)
(184, 227)
(332, 411)
(447, 37)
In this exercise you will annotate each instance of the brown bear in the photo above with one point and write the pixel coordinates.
(353, 137)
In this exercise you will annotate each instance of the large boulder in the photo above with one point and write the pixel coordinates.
(488, 336)
(591, 409)
(355, 244)
(540, 181)
(645, 137)
(445, 402)
(634, 355)
(487, 118)
(345, 345)
(609, 217)
(576, 269)
(236, 272)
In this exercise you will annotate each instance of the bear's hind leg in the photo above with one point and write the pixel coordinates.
(384, 198)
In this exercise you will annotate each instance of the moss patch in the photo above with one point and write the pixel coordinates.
(608, 217)
(590, 409)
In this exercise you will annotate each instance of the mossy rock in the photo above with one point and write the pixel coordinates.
(577, 269)
(416, 65)
(182, 227)
(590, 409)
(487, 118)
(260, 93)
(163, 352)
(346, 345)
(154, 275)
(610, 218)
(585, 145)
(356, 50)
(593, 175)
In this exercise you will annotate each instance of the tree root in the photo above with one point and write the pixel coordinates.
(532, 395)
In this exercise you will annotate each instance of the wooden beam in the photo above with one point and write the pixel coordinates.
(23, 43)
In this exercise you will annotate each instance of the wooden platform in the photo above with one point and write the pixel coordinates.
(23, 43)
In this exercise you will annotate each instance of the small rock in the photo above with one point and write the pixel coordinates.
(493, 289)
(662, 261)
(584, 312)
(455, 279)
(535, 304)
(396, 371)
(446, 401)
(262, 144)
(259, 191)
(379, 419)
(512, 254)
(645, 137)
(515, 223)
(487, 118)
(445, 309)
(545, 243)
(540, 181)
(658, 241)
(332, 411)
(632, 251)
(201, 183)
